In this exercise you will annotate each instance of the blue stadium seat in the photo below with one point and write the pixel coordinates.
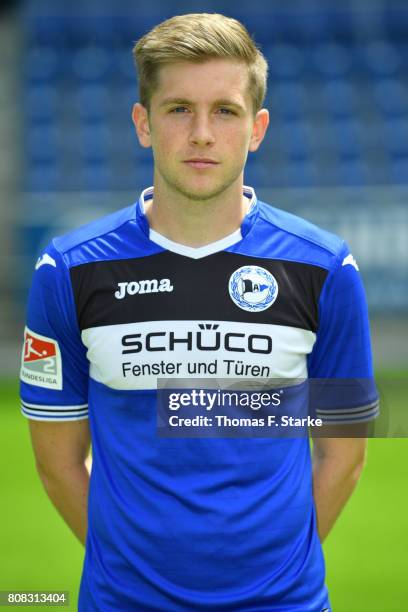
(285, 61)
(347, 140)
(396, 137)
(261, 175)
(41, 103)
(327, 171)
(341, 24)
(97, 176)
(92, 64)
(142, 172)
(42, 143)
(399, 171)
(395, 20)
(42, 64)
(332, 60)
(391, 97)
(124, 144)
(314, 27)
(381, 58)
(295, 140)
(339, 98)
(353, 172)
(71, 175)
(124, 64)
(121, 102)
(93, 102)
(95, 142)
(303, 173)
(43, 177)
(289, 99)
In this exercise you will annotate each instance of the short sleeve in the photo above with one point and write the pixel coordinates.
(54, 367)
(340, 366)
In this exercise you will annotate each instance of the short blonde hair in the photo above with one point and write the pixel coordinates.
(197, 37)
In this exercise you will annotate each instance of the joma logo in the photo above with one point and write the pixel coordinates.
(143, 286)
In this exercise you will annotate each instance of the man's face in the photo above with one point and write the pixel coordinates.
(200, 126)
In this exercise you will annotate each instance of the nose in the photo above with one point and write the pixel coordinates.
(201, 132)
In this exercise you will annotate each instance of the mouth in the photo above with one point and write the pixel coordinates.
(201, 162)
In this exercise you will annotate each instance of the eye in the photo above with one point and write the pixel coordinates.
(226, 111)
(179, 109)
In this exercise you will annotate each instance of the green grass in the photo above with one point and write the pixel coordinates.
(366, 554)
(38, 552)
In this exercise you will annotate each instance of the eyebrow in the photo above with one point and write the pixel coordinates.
(220, 102)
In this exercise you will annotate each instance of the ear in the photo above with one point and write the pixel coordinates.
(259, 128)
(140, 119)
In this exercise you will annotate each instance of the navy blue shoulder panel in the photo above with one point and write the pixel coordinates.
(115, 236)
(301, 228)
(281, 235)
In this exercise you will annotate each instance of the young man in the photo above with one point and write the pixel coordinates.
(194, 524)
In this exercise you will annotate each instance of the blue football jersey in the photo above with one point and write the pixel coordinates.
(195, 524)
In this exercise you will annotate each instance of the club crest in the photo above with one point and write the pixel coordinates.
(253, 288)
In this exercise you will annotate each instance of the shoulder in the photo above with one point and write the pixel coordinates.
(299, 239)
(114, 236)
(301, 228)
(93, 230)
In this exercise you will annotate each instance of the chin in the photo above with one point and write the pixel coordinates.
(201, 193)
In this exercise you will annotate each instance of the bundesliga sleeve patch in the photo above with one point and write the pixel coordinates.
(41, 361)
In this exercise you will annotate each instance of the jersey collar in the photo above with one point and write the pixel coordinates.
(208, 249)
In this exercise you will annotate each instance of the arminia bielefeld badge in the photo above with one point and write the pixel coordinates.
(253, 288)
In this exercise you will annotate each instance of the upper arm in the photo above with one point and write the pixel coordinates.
(340, 366)
(59, 446)
(55, 369)
(54, 372)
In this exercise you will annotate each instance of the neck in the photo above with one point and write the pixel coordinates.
(196, 223)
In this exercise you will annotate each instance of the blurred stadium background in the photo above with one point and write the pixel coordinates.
(336, 153)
